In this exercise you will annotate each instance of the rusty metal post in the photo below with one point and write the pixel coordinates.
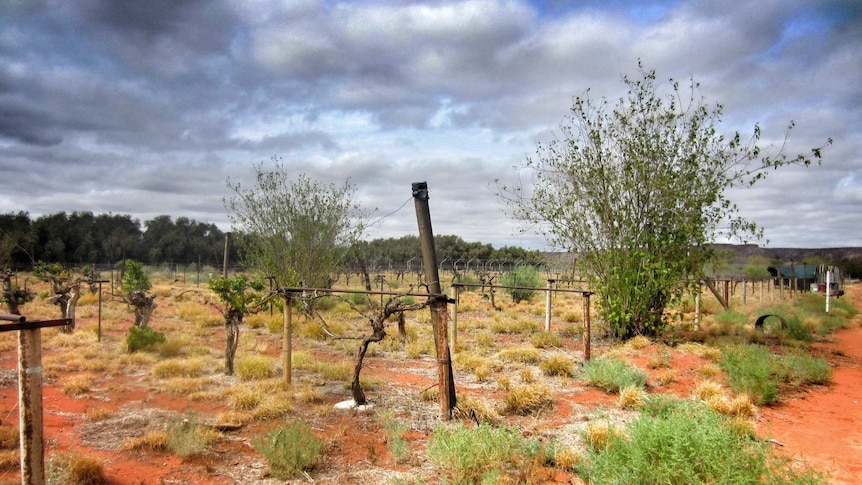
(287, 339)
(30, 402)
(446, 380)
(586, 325)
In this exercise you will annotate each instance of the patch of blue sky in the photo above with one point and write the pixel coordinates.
(641, 12)
(809, 22)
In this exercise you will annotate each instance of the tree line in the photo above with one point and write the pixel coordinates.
(82, 238)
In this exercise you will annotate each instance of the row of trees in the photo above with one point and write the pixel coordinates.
(83, 238)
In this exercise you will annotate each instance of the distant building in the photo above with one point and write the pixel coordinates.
(809, 277)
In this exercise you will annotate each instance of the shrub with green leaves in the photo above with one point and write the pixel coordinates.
(682, 442)
(525, 277)
(141, 338)
(289, 449)
(612, 374)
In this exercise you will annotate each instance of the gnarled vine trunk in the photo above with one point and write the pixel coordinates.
(232, 321)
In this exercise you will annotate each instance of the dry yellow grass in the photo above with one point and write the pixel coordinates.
(666, 377)
(705, 351)
(631, 397)
(9, 460)
(191, 367)
(527, 399)
(706, 390)
(557, 365)
(184, 385)
(477, 409)
(77, 385)
(151, 441)
(708, 370)
(92, 415)
(244, 398)
(523, 355)
(567, 458)
(599, 434)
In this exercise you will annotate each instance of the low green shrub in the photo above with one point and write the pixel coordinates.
(612, 374)
(142, 338)
(681, 442)
(751, 370)
(289, 449)
(484, 454)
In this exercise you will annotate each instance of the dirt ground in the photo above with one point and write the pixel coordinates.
(820, 425)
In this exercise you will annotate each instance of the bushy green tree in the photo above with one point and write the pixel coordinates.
(638, 190)
(293, 227)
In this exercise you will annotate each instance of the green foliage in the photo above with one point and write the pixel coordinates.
(141, 338)
(754, 370)
(187, 437)
(612, 374)
(296, 229)
(135, 280)
(638, 190)
(477, 455)
(523, 276)
(685, 443)
(239, 294)
(751, 370)
(289, 449)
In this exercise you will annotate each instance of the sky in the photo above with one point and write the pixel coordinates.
(150, 108)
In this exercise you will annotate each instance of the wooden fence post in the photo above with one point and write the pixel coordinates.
(439, 322)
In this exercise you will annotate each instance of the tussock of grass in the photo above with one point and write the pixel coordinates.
(75, 469)
(289, 449)
(243, 398)
(477, 409)
(544, 340)
(638, 342)
(184, 385)
(631, 397)
(336, 371)
(612, 374)
(523, 355)
(666, 377)
(153, 441)
(198, 314)
(704, 351)
(9, 438)
(255, 367)
(187, 437)
(9, 460)
(192, 367)
(527, 399)
(92, 415)
(557, 365)
(77, 385)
